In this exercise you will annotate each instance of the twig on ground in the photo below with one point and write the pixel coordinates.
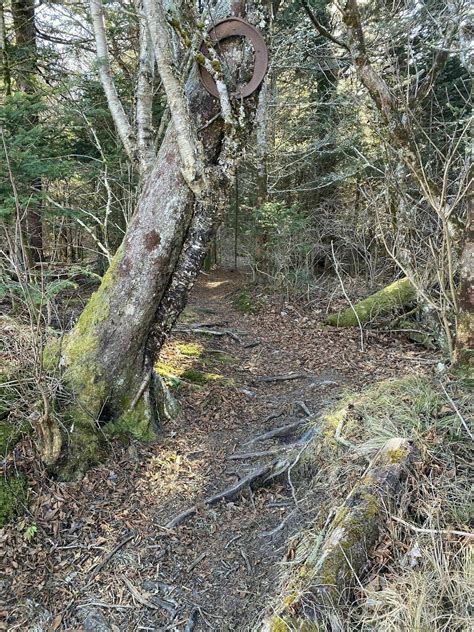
(199, 559)
(249, 345)
(282, 378)
(463, 534)
(212, 332)
(212, 323)
(341, 440)
(291, 466)
(456, 410)
(101, 604)
(275, 415)
(246, 560)
(232, 540)
(268, 534)
(107, 559)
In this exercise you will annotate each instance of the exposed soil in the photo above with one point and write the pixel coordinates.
(218, 570)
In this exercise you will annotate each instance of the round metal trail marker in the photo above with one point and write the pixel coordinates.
(232, 27)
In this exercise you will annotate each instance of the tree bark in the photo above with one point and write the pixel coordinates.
(4, 62)
(109, 355)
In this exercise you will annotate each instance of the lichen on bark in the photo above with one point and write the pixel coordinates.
(329, 563)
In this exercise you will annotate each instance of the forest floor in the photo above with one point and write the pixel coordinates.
(96, 555)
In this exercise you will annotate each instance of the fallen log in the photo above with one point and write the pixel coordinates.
(395, 296)
(330, 567)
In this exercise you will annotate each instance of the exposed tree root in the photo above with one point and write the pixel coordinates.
(256, 455)
(260, 476)
(282, 431)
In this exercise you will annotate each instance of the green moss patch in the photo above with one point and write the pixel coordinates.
(190, 349)
(245, 303)
(13, 495)
(200, 377)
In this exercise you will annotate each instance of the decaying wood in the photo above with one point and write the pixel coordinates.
(393, 297)
(328, 571)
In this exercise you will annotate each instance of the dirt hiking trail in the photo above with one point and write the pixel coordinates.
(102, 557)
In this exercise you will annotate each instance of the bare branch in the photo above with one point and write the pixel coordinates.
(186, 137)
(144, 95)
(320, 28)
(121, 121)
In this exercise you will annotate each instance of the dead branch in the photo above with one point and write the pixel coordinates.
(282, 378)
(107, 559)
(320, 28)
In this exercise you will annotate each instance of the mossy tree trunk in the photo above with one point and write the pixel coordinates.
(108, 357)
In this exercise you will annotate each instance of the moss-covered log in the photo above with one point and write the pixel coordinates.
(329, 570)
(395, 296)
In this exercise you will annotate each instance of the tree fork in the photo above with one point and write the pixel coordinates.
(105, 356)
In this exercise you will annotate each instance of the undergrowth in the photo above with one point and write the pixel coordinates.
(420, 577)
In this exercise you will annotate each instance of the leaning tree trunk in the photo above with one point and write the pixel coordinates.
(108, 357)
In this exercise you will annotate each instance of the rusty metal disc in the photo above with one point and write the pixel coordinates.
(237, 27)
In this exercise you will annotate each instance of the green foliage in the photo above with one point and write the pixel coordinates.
(13, 494)
(35, 148)
(37, 294)
(29, 530)
(244, 302)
